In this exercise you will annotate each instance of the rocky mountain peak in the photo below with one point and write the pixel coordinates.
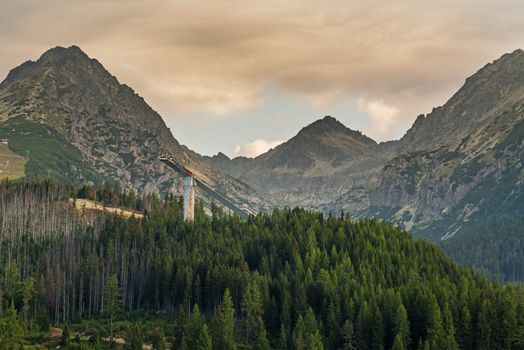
(60, 54)
(221, 156)
(501, 69)
(105, 130)
(483, 95)
(68, 88)
(326, 123)
(517, 54)
(57, 57)
(331, 127)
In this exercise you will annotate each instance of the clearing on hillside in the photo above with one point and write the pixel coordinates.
(12, 165)
(94, 205)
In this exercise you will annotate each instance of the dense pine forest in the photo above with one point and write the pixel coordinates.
(494, 247)
(290, 279)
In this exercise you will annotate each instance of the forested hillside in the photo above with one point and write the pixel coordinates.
(291, 279)
(494, 247)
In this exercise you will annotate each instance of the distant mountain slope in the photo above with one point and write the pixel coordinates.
(483, 97)
(324, 160)
(80, 124)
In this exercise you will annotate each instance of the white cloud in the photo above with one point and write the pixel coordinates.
(255, 148)
(383, 117)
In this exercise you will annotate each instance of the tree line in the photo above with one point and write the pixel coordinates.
(495, 247)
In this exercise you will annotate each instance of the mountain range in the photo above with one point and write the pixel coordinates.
(432, 177)
(456, 174)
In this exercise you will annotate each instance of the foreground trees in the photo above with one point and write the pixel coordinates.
(10, 330)
(113, 300)
(223, 326)
(287, 280)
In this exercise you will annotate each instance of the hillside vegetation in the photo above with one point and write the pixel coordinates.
(11, 164)
(291, 279)
(49, 153)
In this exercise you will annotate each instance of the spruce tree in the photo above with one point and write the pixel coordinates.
(28, 292)
(203, 342)
(347, 335)
(253, 312)
(194, 328)
(216, 330)
(362, 330)
(135, 338)
(315, 341)
(65, 336)
(398, 344)
(227, 313)
(113, 300)
(11, 330)
(449, 330)
(464, 328)
(401, 326)
(158, 339)
(180, 328)
(283, 338)
(299, 341)
(377, 328)
(486, 317)
(436, 337)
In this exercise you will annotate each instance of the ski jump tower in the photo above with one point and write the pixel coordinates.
(190, 180)
(189, 185)
(189, 198)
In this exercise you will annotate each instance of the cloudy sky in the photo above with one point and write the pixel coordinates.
(241, 76)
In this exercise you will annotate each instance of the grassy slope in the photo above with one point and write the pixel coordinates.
(12, 166)
(50, 153)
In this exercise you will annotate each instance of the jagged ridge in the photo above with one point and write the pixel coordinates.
(73, 103)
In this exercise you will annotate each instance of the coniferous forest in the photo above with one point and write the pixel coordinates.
(290, 279)
(494, 247)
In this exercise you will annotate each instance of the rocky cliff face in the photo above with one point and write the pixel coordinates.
(92, 128)
(482, 98)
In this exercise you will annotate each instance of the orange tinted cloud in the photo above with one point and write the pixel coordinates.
(222, 56)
